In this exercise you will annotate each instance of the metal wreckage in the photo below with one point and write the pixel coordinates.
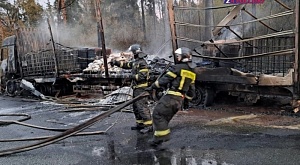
(60, 70)
(31, 62)
(249, 68)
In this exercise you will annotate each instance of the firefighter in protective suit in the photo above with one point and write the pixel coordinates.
(140, 77)
(180, 81)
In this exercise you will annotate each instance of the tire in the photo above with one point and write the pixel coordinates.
(42, 88)
(203, 97)
(11, 88)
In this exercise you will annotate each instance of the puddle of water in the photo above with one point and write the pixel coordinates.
(170, 157)
(143, 154)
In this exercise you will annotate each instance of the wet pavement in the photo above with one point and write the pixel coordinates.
(199, 137)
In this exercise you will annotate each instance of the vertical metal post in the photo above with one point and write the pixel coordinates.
(101, 31)
(297, 53)
(172, 26)
(254, 29)
(208, 20)
(53, 49)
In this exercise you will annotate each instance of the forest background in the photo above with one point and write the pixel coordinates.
(125, 22)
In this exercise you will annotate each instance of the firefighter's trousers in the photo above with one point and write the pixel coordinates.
(163, 112)
(140, 109)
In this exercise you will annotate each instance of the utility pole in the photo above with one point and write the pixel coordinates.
(53, 49)
(172, 26)
(208, 20)
(101, 35)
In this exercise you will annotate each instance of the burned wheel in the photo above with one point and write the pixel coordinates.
(11, 87)
(42, 88)
(203, 97)
(199, 94)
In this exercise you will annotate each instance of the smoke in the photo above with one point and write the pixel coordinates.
(240, 30)
(226, 34)
(159, 42)
(120, 30)
(76, 36)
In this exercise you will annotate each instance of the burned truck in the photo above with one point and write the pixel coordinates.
(249, 55)
(32, 55)
(54, 69)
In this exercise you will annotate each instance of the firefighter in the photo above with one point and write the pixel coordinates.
(140, 77)
(179, 81)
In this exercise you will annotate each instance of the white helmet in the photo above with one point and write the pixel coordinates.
(183, 54)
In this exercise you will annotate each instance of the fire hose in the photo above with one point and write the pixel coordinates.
(74, 130)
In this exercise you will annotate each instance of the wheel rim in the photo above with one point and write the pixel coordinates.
(198, 99)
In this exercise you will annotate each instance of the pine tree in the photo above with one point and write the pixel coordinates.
(32, 12)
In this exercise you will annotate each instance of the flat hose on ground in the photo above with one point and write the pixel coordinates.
(74, 130)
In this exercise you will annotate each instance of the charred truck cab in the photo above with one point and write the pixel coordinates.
(9, 63)
(30, 56)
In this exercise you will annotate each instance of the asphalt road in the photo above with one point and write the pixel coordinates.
(199, 137)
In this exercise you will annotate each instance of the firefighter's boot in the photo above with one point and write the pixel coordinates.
(158, 141)
(147, 129)
(138, 127)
